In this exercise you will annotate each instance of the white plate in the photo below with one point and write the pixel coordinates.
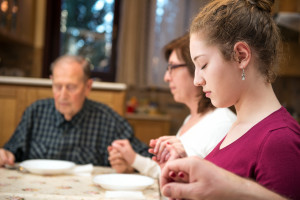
(43, 166)
(123, 181)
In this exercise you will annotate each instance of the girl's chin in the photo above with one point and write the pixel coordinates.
(220, 104)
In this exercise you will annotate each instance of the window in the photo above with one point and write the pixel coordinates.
(86, 28)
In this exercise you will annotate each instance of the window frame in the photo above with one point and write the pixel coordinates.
(52, 41)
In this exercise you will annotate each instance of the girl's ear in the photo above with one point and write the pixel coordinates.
(242, 54)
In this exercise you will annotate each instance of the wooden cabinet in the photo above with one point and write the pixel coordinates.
(23, 21)
(147, 127)
(290, 63)
(288, 5)
(22, 30)
(287, 17)
(15, 97)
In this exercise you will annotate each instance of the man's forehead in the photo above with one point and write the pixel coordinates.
(70, 67)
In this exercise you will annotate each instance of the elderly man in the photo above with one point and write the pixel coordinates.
(70, 126)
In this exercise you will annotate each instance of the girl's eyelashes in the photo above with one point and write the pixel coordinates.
(203, 66)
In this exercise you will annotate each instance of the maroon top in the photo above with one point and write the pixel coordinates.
(268, 153)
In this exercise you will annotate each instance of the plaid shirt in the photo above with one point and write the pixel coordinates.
(84, 139)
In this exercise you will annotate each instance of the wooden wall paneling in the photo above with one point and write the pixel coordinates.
(114, 99)
(21, 99)
(145, 130)
(8, 110)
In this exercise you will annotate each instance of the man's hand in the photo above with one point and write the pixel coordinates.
(6, 157)
(125, 149)
(196, 178)
(117, 162)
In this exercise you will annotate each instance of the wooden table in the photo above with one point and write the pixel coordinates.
(18, 185)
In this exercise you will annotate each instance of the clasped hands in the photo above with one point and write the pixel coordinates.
(166, 148)
(121, 156)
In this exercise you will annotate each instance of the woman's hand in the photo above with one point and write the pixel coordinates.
(158, 146)
(166, 148)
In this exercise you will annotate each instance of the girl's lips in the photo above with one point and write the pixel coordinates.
(207, 94)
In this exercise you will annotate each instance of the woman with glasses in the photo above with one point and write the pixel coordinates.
(201, 130)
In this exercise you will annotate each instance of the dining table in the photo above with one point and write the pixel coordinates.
(20, 185)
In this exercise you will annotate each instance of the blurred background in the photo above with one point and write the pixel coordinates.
(124, 39)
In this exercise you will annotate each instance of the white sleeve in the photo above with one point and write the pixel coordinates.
(146, 166)
(202, 138)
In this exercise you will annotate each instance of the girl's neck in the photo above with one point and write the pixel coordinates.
(256, 104)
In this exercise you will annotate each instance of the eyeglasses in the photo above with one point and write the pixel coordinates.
(170, 67)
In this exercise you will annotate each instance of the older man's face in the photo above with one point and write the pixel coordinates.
(69, 88)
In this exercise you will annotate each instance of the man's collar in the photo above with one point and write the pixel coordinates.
(76, 119)
(59, 118)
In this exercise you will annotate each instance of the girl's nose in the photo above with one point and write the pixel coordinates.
(198, 77)
(199, 80)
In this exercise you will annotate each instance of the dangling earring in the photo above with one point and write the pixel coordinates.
(243, 75)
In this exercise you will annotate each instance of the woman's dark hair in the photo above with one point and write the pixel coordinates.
(181, 47)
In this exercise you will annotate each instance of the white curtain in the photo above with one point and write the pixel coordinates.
(132, 42)
(145, 27)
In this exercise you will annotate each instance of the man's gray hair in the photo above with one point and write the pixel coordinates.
(84, 62)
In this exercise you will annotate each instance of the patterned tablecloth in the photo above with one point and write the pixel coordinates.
(15, 185)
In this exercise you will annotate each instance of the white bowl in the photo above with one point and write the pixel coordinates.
(123, 181)
(45, 167)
